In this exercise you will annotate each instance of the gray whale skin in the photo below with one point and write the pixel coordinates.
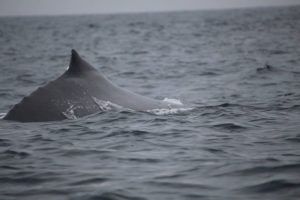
(78, 92)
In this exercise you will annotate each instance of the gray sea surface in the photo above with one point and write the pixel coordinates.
(239, 71)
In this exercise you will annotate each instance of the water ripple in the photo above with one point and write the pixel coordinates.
(278, 185)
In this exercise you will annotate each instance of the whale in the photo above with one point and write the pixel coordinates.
(80, 91)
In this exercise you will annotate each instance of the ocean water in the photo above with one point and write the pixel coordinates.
(237, 70)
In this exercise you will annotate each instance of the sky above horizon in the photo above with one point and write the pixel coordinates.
(66, 7)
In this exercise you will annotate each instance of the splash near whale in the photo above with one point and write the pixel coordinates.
(78, 92)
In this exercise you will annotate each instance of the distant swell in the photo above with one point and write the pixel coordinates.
(14, 153)
(262, 170)
(115, 195)
(228, 127)
(272, 186)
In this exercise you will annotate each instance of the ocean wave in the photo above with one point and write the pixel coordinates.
(182, 185)
(15, 154)
(114, 195)
(4, 142)
(89, 181)
(288, 168)
(271, 186)
(229, 126)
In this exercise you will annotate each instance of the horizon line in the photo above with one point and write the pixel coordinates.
(148, 11)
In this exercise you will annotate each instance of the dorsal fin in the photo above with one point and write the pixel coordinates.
(78, 65)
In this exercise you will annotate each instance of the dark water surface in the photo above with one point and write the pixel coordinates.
(241, 140)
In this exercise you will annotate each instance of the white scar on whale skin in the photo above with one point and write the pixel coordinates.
(106, 105)
(69, 113)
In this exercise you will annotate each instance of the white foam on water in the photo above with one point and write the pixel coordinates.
(173, 101)
(2, 115)
(168, 111)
